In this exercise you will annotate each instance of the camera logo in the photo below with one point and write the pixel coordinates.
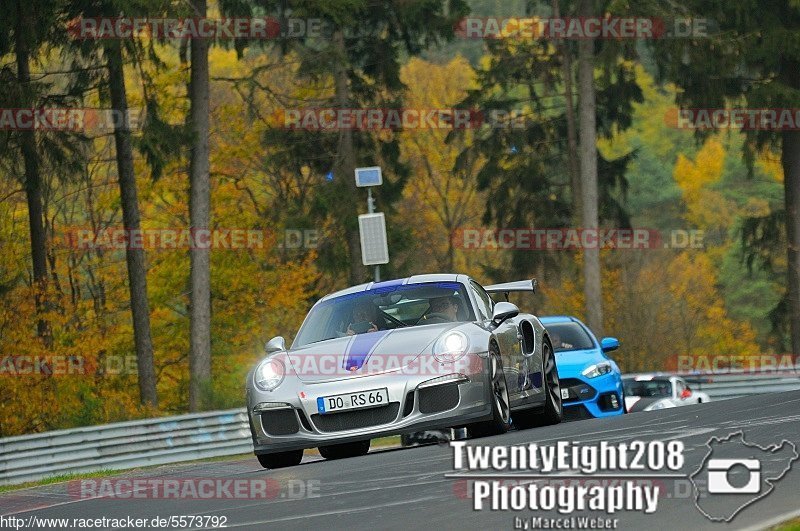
(718, 482)
(735, 474)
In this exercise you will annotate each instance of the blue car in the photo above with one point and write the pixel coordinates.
(591, 382)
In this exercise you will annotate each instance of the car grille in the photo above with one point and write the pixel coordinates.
(578, 412)
(578, 390)
(438, 398)
(280, 422)
(353, 420)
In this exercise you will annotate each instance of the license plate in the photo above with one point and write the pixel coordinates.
(564, 393)
(359, 400)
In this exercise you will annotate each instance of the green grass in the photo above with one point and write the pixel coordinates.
(790, 525)
(59, 478)
(393, 440)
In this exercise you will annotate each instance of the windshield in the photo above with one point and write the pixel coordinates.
(569, 336)
(659, 387)
(385, 308)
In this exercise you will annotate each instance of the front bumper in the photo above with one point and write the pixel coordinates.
(599, 390)
(289, 420)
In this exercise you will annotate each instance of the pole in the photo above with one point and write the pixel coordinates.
(371, 210)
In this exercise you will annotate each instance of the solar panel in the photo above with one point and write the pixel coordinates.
(374, 247)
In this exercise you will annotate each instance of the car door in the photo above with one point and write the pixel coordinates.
(508, 340)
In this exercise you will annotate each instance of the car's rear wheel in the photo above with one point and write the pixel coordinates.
(553, 410)
(281, 459)
(342, 451)
(501, 404)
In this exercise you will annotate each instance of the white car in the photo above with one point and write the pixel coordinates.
(649, 392)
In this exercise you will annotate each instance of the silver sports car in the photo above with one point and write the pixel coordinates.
(425, 352)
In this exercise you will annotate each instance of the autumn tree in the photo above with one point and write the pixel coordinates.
(199, 218)
(111, 54)
(358, 63)
(751, 59)
(588, 172)
(449, 199)
(23, 29)
(529, 172)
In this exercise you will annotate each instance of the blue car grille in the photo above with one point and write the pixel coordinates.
(578, 390)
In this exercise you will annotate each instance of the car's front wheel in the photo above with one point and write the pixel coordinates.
(501, 404)
(553, 410)
(281, 459)
(341, 451)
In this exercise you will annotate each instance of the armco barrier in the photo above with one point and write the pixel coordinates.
(220, 433)
(743, 383)
(124, 445)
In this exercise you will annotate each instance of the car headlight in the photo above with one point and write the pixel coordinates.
(598, 369)
(451, 346)
(269, 374)
(661, 404)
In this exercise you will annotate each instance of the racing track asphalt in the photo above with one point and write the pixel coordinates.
(407, 488)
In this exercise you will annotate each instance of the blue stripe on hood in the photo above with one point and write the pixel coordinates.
(359, 349)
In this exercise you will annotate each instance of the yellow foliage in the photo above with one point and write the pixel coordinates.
(705, 207)
(770, 164)
(87, 375)
(437, 200)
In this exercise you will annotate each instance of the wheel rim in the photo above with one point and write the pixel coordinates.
(500, 390)
(551, 376)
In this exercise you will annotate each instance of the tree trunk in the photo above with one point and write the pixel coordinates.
(199, 219)
(135, 259)
(588, 148)
(346, 163)
(573, 160)
(33, 180)
(790, 159)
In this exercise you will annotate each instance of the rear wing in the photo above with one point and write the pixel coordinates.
(513, 287)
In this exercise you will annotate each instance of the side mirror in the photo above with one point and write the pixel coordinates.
(503, 311)
(686, 393)
(276, 344)
(609, 343)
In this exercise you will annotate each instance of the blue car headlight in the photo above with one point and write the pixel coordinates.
(269, 374)
(598, 369)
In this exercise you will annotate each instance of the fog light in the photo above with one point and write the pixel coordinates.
(448, 378)
(266, 406)
(614, 402)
